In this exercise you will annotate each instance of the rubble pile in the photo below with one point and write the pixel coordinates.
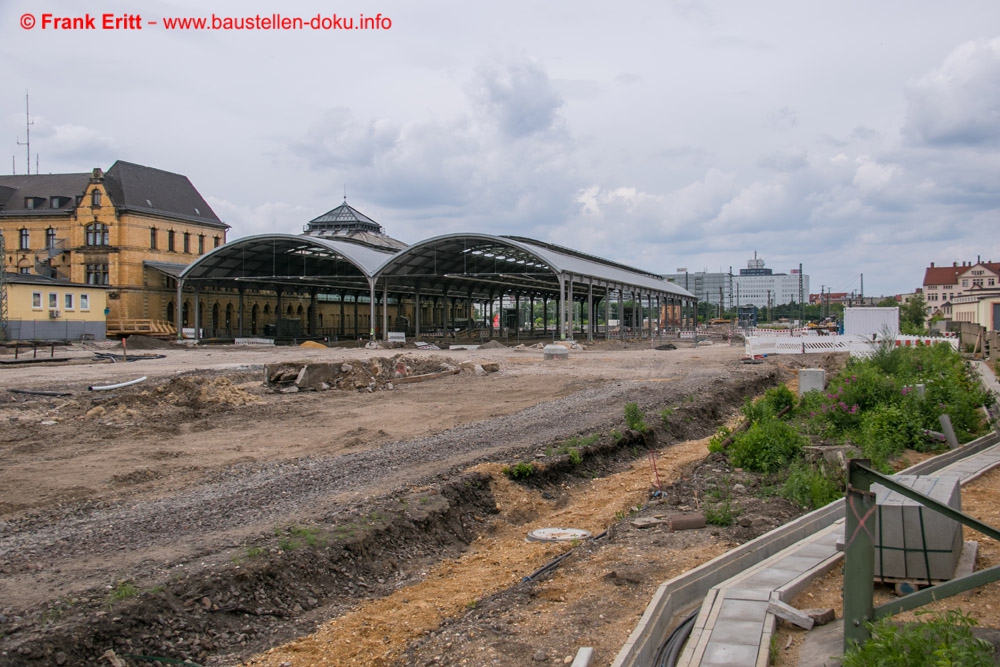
(375, 374)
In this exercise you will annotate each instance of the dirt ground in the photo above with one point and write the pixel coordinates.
(201, 515)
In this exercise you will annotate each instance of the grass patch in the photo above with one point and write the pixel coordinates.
(522, 470)
(944, 639)
(123, 591)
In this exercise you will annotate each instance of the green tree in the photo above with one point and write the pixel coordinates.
(913, 314)
(887, 302)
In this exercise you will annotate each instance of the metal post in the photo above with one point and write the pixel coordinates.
(197, 311)
(572, 309)
(371, 310)
(590, 311)
(416, 310)
(859, 556)
(385, 309)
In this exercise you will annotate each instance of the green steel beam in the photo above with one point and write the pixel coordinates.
(859, 559)
(859, 554)
(938, 592)
(864, 471)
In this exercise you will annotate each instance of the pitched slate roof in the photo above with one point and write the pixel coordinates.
(16, 190)
(134, 187)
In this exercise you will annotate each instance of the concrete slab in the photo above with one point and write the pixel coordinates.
(823, 646)
(737, 632)
(771, 578)
(740, 610)
(729, 655)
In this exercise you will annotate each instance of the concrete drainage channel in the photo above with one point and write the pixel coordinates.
(700, 587)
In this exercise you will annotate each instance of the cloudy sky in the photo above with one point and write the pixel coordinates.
(855, 137)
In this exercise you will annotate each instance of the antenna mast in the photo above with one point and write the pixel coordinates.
(27, 123)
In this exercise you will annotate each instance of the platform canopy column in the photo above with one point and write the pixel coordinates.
(416, 310)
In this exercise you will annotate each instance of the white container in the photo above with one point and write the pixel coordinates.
(868, 322)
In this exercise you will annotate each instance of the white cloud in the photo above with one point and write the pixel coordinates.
(958, 103)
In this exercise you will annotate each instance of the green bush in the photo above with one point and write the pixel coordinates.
(522, 470)
(715, 442)
(635, 418)
(779, 398)
(886, 430)
(766, 446)
(945, 640)
(757, 411)
(812, 486)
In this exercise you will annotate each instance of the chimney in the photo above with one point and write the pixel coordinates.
(932, 265)
(954, 265)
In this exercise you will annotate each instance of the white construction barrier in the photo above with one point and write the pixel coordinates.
(857, 346)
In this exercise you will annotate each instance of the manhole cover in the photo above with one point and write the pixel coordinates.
(557, 534)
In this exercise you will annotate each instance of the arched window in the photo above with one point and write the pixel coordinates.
(25, 239)
(152, 238)
(96, 234)
(50, 238)
(95, 198)
(187, 242)
(171, 312)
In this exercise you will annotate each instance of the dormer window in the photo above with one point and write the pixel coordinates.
(32, 203)
(95, 198)
(58, 202)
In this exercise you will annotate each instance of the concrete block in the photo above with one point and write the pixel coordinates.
(810, 379)
(787, 612)
(913, 541)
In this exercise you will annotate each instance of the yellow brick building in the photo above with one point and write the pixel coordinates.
(110, 229)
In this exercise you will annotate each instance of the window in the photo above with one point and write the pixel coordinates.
(152, 238)
(201, 244)
(53, 300)
(965, 282)
(24, 270)
(991, 282)
(50, 238)
(97, 234)
(977, 282)
(68, 301)
(25, 239)
(218, 242)
(97, 274)
(36, 300)
(84, 302)
(95, 198)
(170, 240)
(58, 202)
(187, 242)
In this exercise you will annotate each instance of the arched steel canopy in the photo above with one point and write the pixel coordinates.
(457, 266)
(487, 264)
(268, 260)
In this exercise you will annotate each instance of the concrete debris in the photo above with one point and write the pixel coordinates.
(790, 614)
(375, 374)
(555, 352)
(821, 616)
(687, 521)
(646, 522)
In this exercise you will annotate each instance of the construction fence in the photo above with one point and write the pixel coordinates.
(856, 345)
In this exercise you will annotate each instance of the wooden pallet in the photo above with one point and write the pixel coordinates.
(145, 327)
